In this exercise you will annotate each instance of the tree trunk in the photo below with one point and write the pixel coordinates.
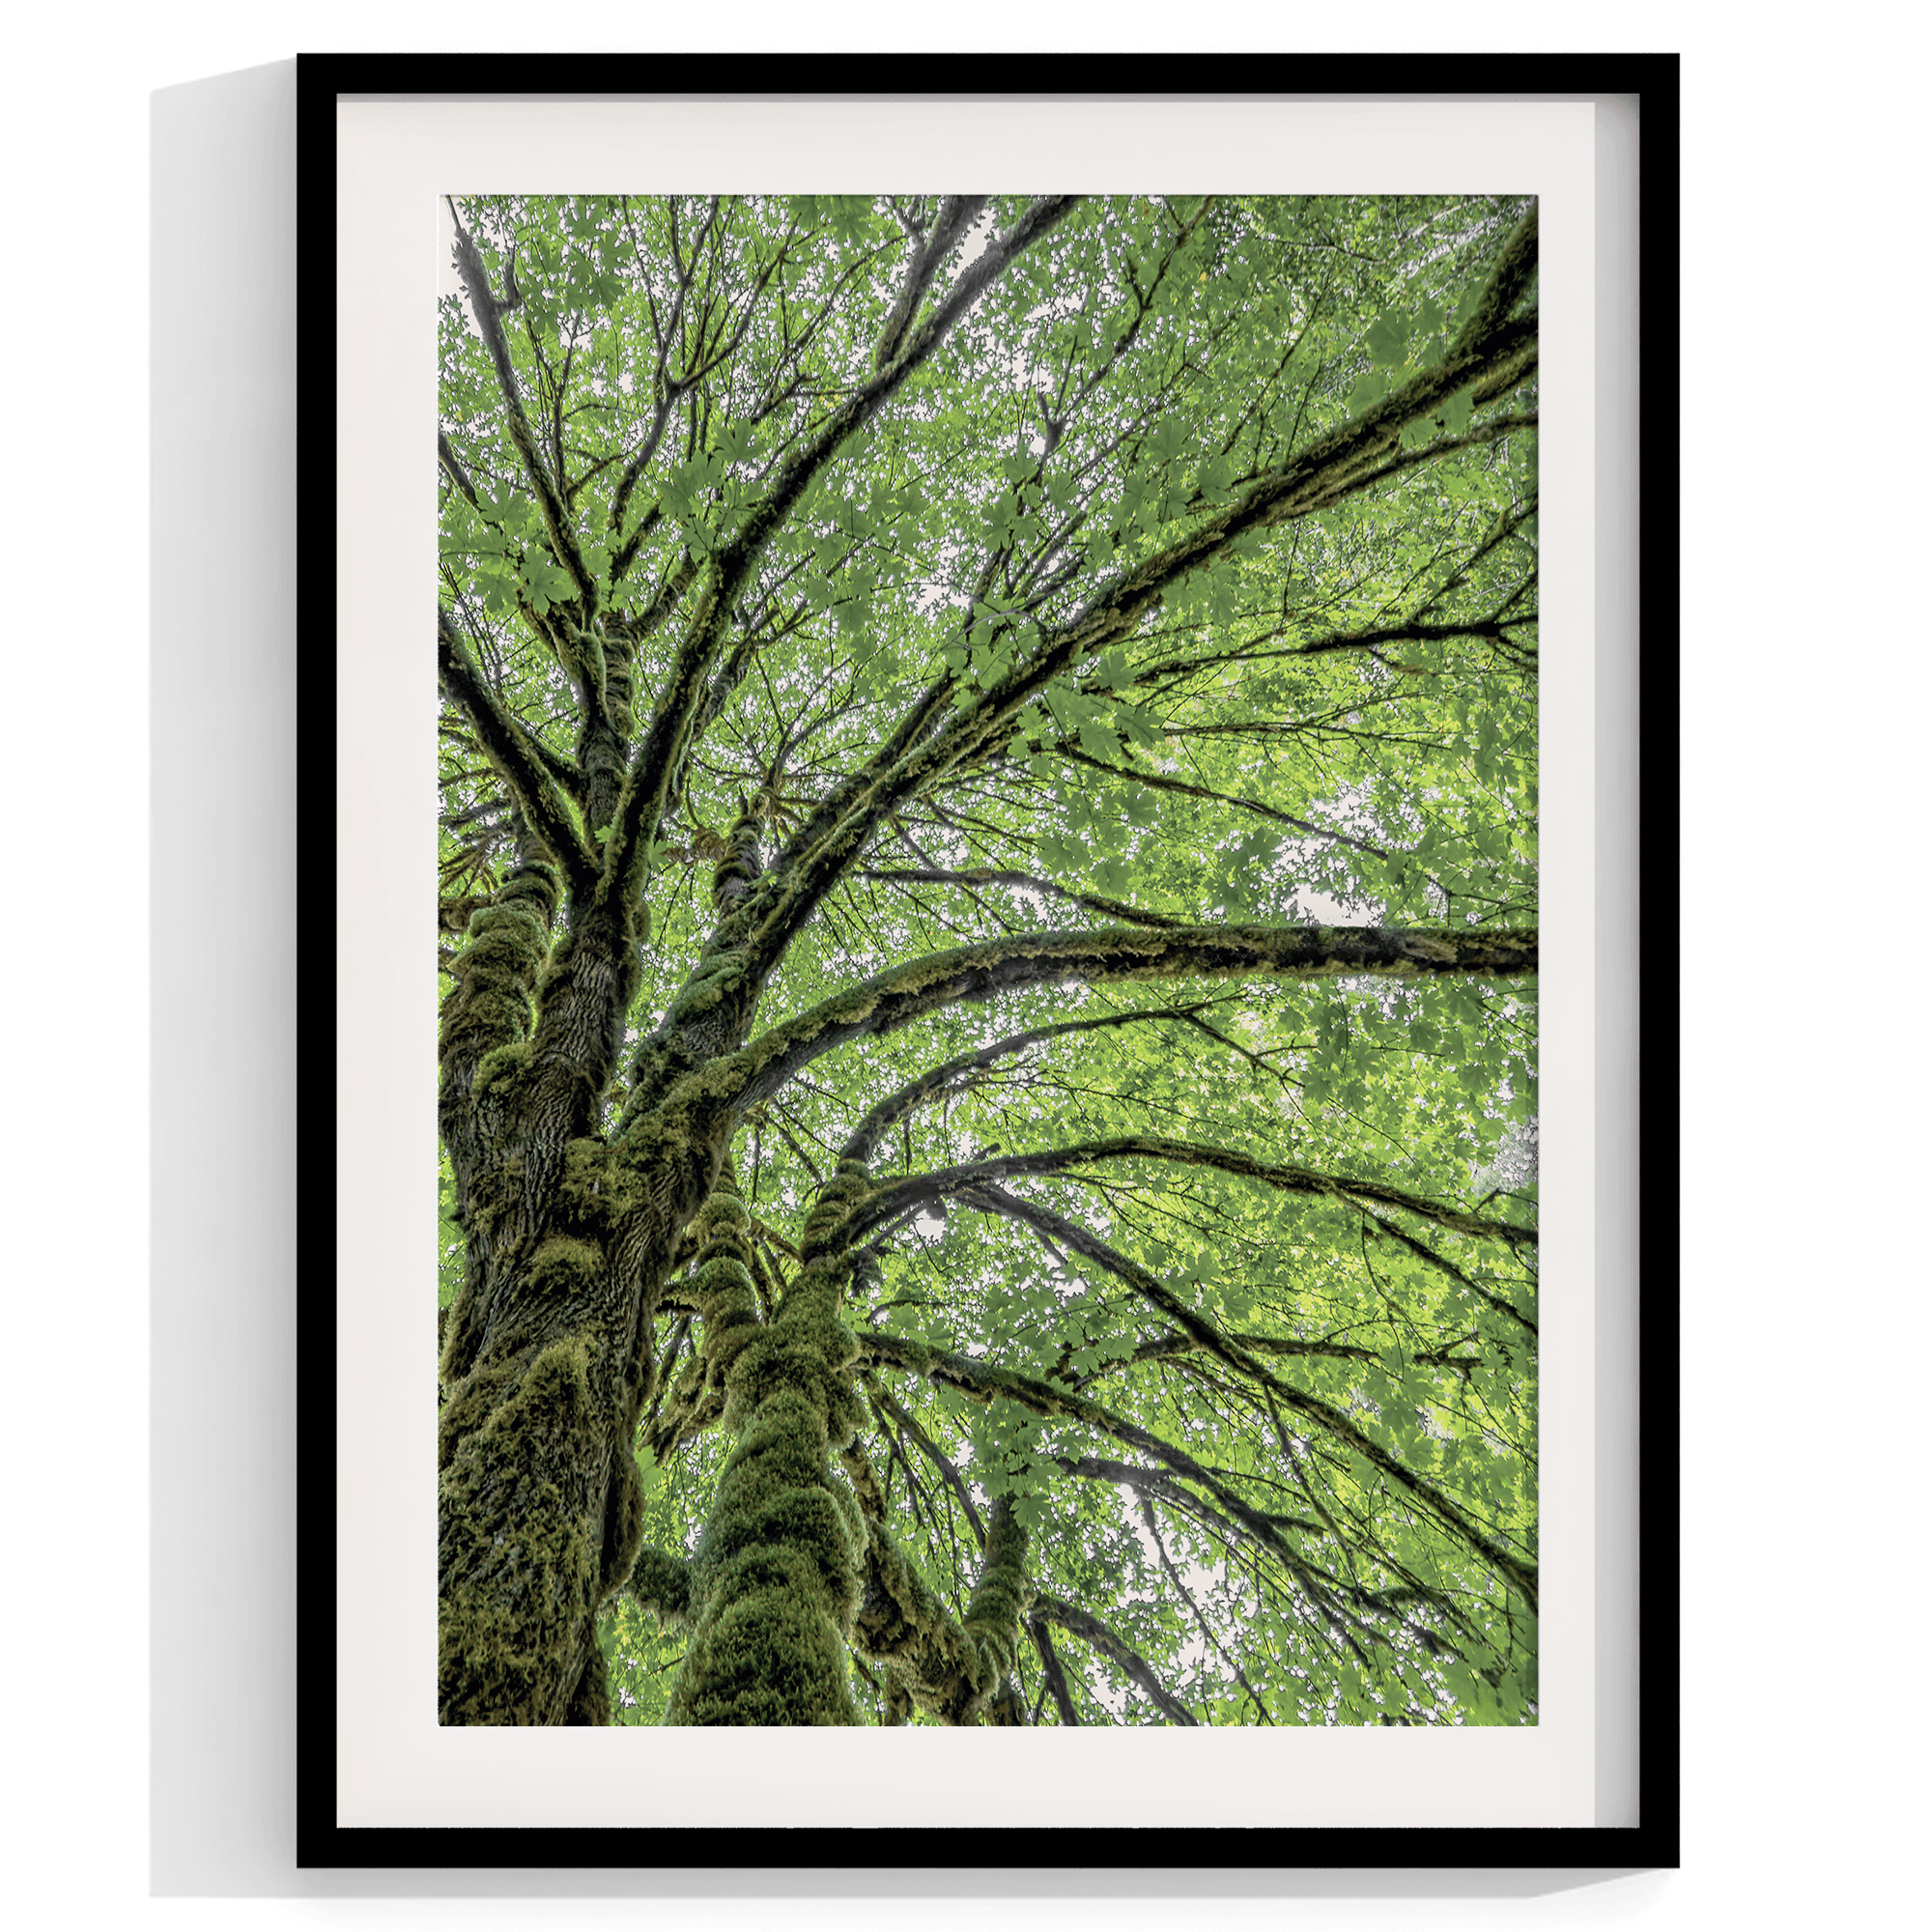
(777, 1574)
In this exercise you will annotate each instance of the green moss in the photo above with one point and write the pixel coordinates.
(590, 1702)
(950, 1669)
(470, 1404)
(771, 1365)
(508, 947)
(824, 1229)
(565, 1268)
(723, 1279)
(662, 1161)
(623, 1526)
(723, 1217)
(538, 882)
(771, 1659)
(782, 1553)
(493, 1192)
(662, 1583)
(552, 1405)
(502, 1067)
(517, 921)
(519, 1558)
(802, 1525)
(476, 1023)
(593, 1191)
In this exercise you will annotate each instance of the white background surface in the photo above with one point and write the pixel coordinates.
(1805, 1331)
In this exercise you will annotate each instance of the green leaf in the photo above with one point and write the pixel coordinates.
(1386, 337)
(1098, 741)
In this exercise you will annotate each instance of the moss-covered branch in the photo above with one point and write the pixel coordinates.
(777, 1574)
(1509, 282)
(485, 1017)
(986, 876)
(902, 1195)
(1177, 1495)
(950, 1668)
(975, 973)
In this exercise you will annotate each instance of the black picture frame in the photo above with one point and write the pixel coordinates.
(1112, 1859)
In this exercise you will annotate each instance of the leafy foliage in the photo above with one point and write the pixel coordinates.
(1182, 575)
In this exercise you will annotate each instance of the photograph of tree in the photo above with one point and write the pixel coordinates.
(987, 946)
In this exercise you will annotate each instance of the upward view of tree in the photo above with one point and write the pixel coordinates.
(987, 933)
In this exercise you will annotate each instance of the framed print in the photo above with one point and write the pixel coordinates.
(1032, 967)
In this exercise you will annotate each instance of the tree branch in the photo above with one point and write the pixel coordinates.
(865, 1136)
(901, 1196)
(1050, 1669)
(957, 213)
(970, 974)
(488, 310)
(986, 876)
(1116, 1649)
(1335, 1422)
(510, 749)
(1509, 280)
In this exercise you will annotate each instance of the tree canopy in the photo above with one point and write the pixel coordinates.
(987, 933)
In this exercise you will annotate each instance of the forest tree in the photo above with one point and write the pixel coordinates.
(987, 935)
